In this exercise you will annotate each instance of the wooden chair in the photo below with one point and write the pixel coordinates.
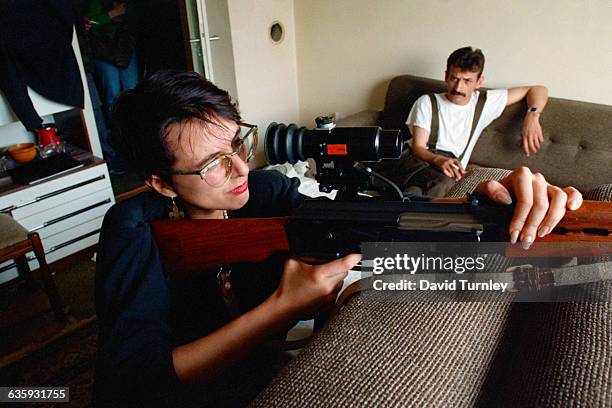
(15, 243)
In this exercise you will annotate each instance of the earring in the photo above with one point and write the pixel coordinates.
(175, 213)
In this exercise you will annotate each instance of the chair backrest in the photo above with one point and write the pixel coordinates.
(15, 243)
(12, 233)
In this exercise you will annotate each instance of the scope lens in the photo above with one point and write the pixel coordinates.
(390, 144)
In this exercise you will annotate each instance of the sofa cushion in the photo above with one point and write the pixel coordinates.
(400, 349)
(576, 149)
(402, 93)
(600, 193)
(555, 354)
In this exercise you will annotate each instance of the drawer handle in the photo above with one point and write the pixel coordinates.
(72, 214)
(12, 265)
(49, 195)
(72, 241)
(30, 258)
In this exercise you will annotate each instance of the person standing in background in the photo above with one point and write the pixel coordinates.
(113, 44)
(111, 33)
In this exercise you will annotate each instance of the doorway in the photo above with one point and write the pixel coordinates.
(206, 28)
(185, 35)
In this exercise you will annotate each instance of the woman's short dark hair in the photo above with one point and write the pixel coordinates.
(468, 59)
(142, 116)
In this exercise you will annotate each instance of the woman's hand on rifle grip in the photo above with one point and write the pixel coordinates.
(539, 205)
(305, 288)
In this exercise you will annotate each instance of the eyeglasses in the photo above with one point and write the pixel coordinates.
(219, 170)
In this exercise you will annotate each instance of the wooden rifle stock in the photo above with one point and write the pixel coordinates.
(188, 246)
(591, 222)
(588, 229)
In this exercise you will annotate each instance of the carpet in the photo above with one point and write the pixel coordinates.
(66, 362)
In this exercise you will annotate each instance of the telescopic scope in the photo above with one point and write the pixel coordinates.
(330, 143)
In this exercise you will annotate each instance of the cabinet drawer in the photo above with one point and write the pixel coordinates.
(70, 247)
(67, 212)
(48, 189)
(57, 241)
(68, 215)
(58, 200)
(8, 271)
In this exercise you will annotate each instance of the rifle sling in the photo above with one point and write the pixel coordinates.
(540, 278)
(518, 278)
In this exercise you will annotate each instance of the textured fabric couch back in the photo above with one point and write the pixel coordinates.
(577, 146)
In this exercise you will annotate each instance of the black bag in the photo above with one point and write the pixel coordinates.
(409, 171)
(113, 43)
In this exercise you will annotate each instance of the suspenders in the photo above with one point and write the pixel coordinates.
(435, 124)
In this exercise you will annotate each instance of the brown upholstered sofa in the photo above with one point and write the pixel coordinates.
(418, 349)
(577, 146)
(415, 349)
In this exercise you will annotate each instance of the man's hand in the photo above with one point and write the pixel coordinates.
(451, 167)
(307, 288)
(86, 22)
(532, 137)
(539, 205)
(119, 9)
(536, 96)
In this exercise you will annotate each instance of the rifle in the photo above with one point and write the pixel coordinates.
(326, 229)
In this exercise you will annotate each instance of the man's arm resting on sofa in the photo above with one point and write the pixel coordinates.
(451, 167)
(537, 97)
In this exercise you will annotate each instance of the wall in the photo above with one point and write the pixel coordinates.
(348, 50)
(266, 73)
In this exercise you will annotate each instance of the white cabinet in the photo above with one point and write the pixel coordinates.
(66, 211)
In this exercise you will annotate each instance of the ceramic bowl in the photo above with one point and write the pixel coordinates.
(23, 152)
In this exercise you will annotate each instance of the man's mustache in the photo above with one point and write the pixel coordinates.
(457, 93)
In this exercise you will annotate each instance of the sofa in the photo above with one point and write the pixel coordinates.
(400, 349)
(576, 150)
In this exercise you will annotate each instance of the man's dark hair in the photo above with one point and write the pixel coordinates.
(142, 116)
(468, 59)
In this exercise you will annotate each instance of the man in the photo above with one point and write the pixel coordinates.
(463, 112)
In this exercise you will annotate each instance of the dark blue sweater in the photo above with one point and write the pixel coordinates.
(143, 317)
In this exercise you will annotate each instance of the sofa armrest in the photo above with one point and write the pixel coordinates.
(363, 118)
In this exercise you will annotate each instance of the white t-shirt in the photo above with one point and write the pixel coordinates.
(455, 121)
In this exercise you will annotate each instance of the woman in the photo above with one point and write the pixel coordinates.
(173, 343)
